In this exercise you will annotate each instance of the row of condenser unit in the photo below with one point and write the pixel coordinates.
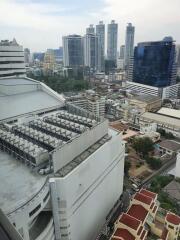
(23, 149)
(76, 118)
(72, 126)
(42, 139)
(53, 130)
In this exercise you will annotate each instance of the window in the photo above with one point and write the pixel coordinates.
(46, 197)
(35, 210)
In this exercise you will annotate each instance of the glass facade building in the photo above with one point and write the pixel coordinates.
(73, 51)
(155, 63)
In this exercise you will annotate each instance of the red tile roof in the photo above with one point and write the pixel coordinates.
(129, 221)
(123, 234)
(172, 218)
(138, 211)
(148, 193)
(115, 238)
(143, 198)
(164, 234)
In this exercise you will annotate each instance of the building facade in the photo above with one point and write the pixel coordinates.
(129, 44)
(91, 51)
(100, 32)
(11, 59)
(155, 63)
(73, 51)
(63, 160)
(90, 29)
(112, 39)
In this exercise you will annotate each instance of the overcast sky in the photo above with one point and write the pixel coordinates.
(40, 24)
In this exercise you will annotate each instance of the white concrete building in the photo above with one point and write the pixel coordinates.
(177, 168)
(129, 44)
(62, 168)
(11, 59)
(164, 93)
(112, 39)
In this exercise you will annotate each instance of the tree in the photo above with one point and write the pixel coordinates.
(143, 145)
(127, 166)
(155, 163)
(165, 134)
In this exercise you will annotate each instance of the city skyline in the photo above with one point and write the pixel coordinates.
(31, 21)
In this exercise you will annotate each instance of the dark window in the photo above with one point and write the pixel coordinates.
(35, 210)
(46, 197)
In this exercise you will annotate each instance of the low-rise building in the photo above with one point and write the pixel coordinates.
(144, 217)
(169, 147)
(148, 103)
(169, 124)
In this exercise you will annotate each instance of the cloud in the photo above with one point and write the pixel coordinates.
(40, 24)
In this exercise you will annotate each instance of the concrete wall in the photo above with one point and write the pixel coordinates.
(68, 152)
(87, 194)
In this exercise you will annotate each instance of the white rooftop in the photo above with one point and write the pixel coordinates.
(19, 96)
(17, 183)
(170, 112)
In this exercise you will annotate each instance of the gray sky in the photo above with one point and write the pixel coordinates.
(40, 24)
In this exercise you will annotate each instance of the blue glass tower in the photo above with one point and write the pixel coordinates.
(155, 64)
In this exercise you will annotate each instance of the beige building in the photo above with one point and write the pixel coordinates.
(144, 217)
(147, 103)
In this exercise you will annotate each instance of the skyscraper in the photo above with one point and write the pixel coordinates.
(27, 56)
(155, 63)
(73, 51)
(120, 60)
(129, 44)
(100, 32)
(112, 39)
(11, 59)
(90, 29)
(90, 51)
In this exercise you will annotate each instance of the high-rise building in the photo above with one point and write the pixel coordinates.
(27, 56)
(155, 63)
(112, 40)
(73, 51)
(11, 59)
(129, 44)
(120, 60)
(90, 51)
(49, 62)
(90, 29)
(100, 32)
(61, 168)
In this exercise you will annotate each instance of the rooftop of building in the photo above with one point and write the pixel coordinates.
(172, 218)
(9, 43)
(164, 234)
(148, 193)
(123, 234)
(146, 98)
(173, 190)
(17, 183)
(170, 112)
(138, 212)
(130, 221)
(24, 96)
(170, 145)
(156, 117)
(143, 198)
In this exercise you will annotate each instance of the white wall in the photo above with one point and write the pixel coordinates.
(88, 193)
(177, 169)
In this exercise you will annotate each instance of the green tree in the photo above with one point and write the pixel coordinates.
(143, 145)
(155, 163)
(127, 166)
